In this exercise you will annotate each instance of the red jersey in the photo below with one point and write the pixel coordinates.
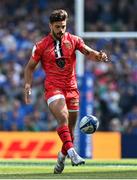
(58, 59)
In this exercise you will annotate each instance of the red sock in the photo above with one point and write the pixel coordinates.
(63, 150)
(65, 137)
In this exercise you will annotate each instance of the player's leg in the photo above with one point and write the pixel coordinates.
(57, 105)
(72, 122)
(59, 109)
(72, 101)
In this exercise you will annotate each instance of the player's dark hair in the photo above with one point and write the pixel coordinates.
(58, 15)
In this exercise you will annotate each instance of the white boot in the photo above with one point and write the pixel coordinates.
(75, 158)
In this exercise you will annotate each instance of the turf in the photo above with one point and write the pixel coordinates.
(93, 169)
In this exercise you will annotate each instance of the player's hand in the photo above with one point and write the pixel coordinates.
(27, 93)
(102, 56)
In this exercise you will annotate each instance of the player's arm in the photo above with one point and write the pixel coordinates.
(93, 54)
(28, 74)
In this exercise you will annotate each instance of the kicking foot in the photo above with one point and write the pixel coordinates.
(75, 158)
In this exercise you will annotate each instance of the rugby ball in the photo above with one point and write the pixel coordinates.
(89, 124)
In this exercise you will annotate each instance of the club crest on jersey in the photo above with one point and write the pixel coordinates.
(60, 62)
(68, 44)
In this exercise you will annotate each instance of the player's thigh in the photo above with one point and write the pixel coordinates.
(59, 110)
(56, 102)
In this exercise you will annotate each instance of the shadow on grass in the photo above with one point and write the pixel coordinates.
(75, 175)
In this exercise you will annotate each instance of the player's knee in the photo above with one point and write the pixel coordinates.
(63, 118)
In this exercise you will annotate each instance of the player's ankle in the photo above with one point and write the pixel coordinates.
(71, 151)
(63, 156)
(63, 151)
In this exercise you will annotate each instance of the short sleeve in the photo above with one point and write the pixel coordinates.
(36, 53)
(79, 43)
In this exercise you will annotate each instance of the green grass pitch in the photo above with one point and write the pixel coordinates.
(43, 169)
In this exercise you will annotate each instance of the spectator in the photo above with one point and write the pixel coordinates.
(130, 121)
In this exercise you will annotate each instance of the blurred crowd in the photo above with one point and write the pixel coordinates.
(22, 23)
(110, 15)
(115, 85)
